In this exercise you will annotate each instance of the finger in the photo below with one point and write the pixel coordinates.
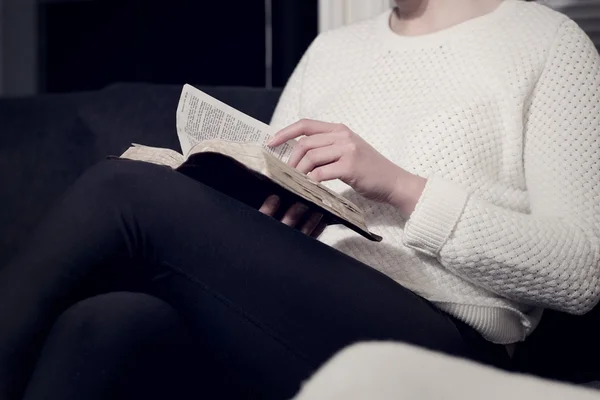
(293, 214)
(318, 157)
(336, 170)
(312, 142)
(308, 143)
(319, 229)
(312, 222)
(270, 206)
(307, 127)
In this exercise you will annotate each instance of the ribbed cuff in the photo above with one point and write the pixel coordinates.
(435, 216)
(497, 324)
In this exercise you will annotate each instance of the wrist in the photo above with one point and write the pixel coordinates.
(406, 191)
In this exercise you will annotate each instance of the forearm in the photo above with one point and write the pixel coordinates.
(545, 261)
(406, 192)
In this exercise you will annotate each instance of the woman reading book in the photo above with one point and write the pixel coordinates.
(467, 131)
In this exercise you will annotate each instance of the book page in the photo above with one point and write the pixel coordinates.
(154, 155)
(201, 117)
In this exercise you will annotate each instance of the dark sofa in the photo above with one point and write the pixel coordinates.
(47, 141)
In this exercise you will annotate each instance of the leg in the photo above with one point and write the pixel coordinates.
(116, 346)
(225, 267)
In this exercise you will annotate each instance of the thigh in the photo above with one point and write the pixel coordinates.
(268, 345)
(229, 269)
(135, 225)
(303, 295)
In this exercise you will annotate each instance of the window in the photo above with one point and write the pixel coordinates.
(88, 44)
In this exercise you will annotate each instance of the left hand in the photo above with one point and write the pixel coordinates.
(313, 225)
(332, 151)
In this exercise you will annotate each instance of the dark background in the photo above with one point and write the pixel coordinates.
(86, 45)
(75, 45)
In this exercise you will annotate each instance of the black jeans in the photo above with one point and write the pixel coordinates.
(265, 304)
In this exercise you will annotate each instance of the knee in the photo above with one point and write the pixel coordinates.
(128, 317)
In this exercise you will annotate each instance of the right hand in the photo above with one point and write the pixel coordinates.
(313, 226)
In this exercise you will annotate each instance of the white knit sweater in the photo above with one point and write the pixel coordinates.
(501, 114)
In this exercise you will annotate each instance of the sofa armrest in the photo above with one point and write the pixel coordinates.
(386, 370)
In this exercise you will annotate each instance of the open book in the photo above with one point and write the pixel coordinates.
(217, 137)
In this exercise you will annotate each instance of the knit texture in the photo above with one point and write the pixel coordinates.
(501, 115)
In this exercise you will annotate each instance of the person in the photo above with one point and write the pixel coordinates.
(468, 133)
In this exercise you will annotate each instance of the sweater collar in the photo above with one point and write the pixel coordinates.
(471, 27)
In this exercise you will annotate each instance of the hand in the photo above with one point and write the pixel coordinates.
(332, 151)
(313, 225)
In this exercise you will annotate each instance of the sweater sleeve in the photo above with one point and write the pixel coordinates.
(288, 108)
(549, 257)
